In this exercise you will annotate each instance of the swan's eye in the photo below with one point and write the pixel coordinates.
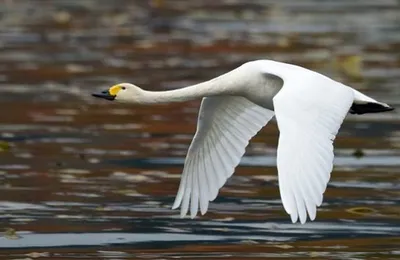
(123, 88)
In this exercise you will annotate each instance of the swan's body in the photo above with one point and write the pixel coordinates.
(309, 110)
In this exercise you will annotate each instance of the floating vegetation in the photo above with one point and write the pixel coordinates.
(4, 146)
(350, 65)
(11, 234)
(358, 153)
(364, 211)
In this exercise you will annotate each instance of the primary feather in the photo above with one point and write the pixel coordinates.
(308, 124)
(225, 126)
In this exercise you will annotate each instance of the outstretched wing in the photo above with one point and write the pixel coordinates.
(225, 126)
(309, 117)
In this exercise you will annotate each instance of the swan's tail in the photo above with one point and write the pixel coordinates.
(363, 104)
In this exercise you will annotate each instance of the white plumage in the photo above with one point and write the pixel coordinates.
(225, 126)
(309, 110)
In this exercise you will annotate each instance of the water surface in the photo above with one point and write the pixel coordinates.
(89, 179)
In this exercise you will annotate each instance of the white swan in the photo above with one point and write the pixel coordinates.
(309, 110)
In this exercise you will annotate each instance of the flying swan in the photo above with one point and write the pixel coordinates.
(309, 108)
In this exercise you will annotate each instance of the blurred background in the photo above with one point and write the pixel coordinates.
(87, 178)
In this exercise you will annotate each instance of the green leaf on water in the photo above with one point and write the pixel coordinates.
(4, 146)
(11, 234)
(364, 211)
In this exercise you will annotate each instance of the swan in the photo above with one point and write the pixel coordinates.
(309, 109)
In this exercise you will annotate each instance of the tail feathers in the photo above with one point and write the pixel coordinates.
(361, 98)
(364, 104)
(369, 107)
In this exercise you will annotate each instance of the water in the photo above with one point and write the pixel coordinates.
(89, 179)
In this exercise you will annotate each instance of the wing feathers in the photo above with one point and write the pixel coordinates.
(211, 168)
(225, 126)
(187, 191)
(308, 124)
(204, 193)
(309, 113)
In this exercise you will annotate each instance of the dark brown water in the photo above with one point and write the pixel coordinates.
(88, 179)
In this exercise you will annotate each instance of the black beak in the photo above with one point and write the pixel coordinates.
(104, 94)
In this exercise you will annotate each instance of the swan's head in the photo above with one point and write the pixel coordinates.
(123, 92)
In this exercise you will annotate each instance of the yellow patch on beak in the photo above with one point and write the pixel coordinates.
(114, 90)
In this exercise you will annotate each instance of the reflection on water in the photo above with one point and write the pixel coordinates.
(83, 178)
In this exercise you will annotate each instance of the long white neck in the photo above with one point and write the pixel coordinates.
(227, 84)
